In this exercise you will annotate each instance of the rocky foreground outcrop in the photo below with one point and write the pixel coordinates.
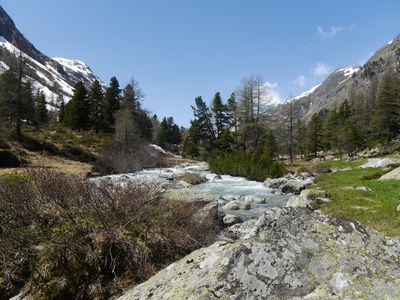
(288, 253)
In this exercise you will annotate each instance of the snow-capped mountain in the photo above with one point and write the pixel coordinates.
(53, 76)
(345, 82)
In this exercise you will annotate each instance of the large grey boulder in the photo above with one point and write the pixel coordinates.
(274, 183)
(237, 205)
(380, 162)
(394, 175)
(289, 253)
(295, 186)
(298, 201)
(231, 220)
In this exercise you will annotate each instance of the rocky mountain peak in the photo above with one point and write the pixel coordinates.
(52, 76)
(10, 32)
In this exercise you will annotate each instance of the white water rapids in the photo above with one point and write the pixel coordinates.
(226, 186)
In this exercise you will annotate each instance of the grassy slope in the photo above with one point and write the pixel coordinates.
(376, 209)
(55, 147)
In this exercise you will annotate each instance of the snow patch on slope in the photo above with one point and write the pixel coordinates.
(348, 72)
(306, 93)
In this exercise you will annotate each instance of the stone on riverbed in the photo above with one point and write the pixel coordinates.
(236, 205)
(288, 253)
(231, 220)
(298, 201)
(252, 199)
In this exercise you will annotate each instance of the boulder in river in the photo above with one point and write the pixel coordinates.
(298, 201)
(253, 199)
(288, 253)
(231, 220)
(237, 205)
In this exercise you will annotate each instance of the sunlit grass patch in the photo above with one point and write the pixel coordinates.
(375, 208)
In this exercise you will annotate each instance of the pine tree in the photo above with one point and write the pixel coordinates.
(191, 144)
(110, 105)
(219, 110)
(387, 112)
(314, 135)
(41, 112)
(169, 133)
(61, 108)
(232, 111)
(300, 136)
(131, 99)
(77, 110)
(331, 130)
(95, 99)
(203, 116)
(16, 99)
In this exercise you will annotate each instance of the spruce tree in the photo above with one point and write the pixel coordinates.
(41, 112)
(61, 108)
(16, 99)
(191, 144)
(314, 135)
(387, 112)
(95, 98)
(232, 107)
(203, 116)
(131, 99)
(169, 133)
(219, 110)
(77, 110)
(110, 105)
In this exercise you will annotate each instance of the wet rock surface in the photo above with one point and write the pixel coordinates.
(288, 253)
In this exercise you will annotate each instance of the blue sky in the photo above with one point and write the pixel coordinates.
(180, 49)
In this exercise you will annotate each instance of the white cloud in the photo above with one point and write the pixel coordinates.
(300, 80)
(334, 30)
(274, 94)
(321, 69)
(352, 27)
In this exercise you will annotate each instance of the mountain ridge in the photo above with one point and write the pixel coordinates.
(54, 76)
(345, 82)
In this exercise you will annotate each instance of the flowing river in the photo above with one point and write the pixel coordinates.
(225, 186)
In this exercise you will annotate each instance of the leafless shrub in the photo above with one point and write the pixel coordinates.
(66, 238)
(115, 158)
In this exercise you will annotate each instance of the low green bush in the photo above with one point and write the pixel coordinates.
(254, 166)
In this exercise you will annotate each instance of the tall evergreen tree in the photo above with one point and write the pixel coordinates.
(61, 108)
(16, 99)
(95, 99)
(314, 135)
(41, 112)
(131, 99)
(110, 105)
(169, 133)
(219, 110)
(232, 111)
(387, 112)
(191, 144)
(203, 116)
(77, 110)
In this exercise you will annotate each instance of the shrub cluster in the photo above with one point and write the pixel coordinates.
(116, 158)
(67, 238)
(253, 166)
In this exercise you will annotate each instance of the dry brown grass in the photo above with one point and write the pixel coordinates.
(62, 237)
